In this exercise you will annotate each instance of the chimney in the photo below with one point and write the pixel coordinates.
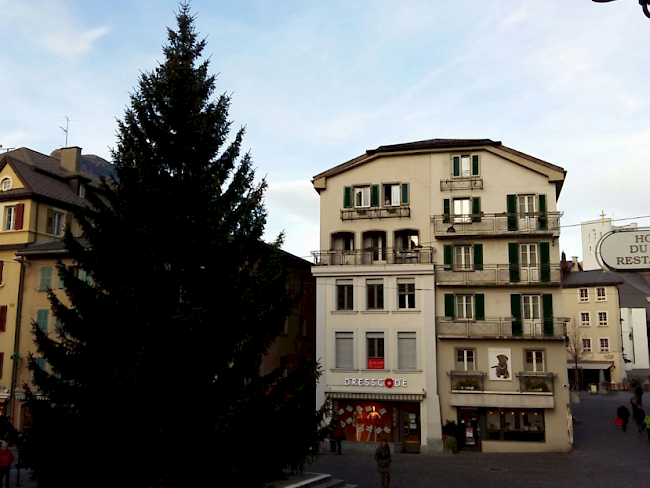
(576, 264)
(71, 159)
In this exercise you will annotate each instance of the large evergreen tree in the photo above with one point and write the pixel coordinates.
(154, 370)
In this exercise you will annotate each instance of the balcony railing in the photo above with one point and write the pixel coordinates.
(418, 255)
(465, 183)
(536, 382)
(499, 274)
(375, 212)
(471, 381)
(501, 328)
(493, 224)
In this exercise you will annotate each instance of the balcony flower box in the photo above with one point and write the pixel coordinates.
(467, 384)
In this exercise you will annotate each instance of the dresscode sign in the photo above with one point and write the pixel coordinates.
(384, 382)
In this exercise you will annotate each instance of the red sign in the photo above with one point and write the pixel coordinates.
(375, 364)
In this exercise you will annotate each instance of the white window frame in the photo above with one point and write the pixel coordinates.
(463, 257)
(583, 297)
(583, 322)
(395, 197)
(535, 354)
(61, 221)
(600, 344)
(528, 254)
(465, 362)
(9, 218)
(586, 344)
(363, 192)
(9, 183)
(407, 283)
(410, 335)
(601, 322)
(376, 335)
(599, 297)
(344, 284)
(82, 191)
(344, 335)
(464, 302)
(458, 211)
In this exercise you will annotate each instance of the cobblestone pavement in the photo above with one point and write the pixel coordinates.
(603, 456)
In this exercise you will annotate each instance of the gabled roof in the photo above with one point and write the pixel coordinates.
(590, 278)
(555, 173)
(43, 176)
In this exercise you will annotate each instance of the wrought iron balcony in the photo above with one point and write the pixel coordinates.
(463, 183)
(501, 328)
(375, 212)
(499, 275)
(497, 224)
(470, 381)
(536, 382)
(370, 256)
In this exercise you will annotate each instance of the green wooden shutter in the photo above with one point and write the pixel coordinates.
(456, 165)
(476, 209)
(42, 317)
(547, 310)
(545, 262)
(446, 209)
(449, 305)
(478, 257)
(479, 300)
(46, 278)
(347, 197)
(475, 166)
(515, 310)
(374, 195)
(513, 260)
(448, 256)
(543, 218)
(511, 201)
(405, 193)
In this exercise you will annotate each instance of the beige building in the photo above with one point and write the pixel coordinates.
(439, 271)
(591, 302)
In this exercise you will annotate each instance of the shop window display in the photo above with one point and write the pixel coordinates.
(505, 424)
(367, 421)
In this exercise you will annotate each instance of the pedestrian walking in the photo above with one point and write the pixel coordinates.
(646, 425)
(639, 418)
(339, 435)
(382, 456)
(624, 414)
(332, 428)
(6, 458)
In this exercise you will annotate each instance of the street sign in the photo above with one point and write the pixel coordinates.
(624, 250)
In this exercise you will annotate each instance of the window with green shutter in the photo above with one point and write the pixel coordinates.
(478, 257)
(513, 260)
(479, 300)
(42, 318)
(511, 206)
(405, 193)
(545, 262)
(476, 209)
(542, 219)
(374, 195)
(449, 305)
(45, 282)
(448, 256)
(446, 210)
(515, 309)
(547, 311)
(347, 197)
(475, 165)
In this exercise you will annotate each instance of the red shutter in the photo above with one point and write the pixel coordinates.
(2, 360)
(3, 318)
(20, 212)
(2, 268)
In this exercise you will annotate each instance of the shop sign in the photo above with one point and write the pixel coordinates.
(374, 363)
(625, 250)
(383, 382)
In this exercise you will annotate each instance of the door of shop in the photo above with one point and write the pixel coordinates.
(410, 423)
(471, 428)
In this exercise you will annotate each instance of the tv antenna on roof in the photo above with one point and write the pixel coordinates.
(67, 122)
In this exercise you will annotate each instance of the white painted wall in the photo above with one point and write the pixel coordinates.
(633, 322)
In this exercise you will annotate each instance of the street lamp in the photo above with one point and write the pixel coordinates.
(644, 5)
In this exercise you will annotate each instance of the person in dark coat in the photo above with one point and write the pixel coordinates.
(624, 414)
(339, 435)
(382, 456)
(6, 458)
(639, 417)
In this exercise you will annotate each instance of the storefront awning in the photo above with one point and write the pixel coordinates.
(591, 365)
(397, 397)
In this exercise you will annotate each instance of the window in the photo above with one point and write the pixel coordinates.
(528, 254)
(405, 293)
(391, 195)
(375, 294)
(585, 320)
(464, 306)
(406, 351)
(586, 345)
(344, 350)
(535, 361)
(462, 257)
(46, 278)
(40, 362)
(525, 204)
(601, 296)
(584, 295)
(82, 190)
(55, 221)
(604, 344)
(10, 218)
(42, 319)
(515, 424)
(602, 319)
(375, 345)
(362, 196)
(465, 360)
(462, 210)
(5, 184)
(344, 295)
(464, 166)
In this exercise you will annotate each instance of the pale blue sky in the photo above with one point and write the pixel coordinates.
(318, 83)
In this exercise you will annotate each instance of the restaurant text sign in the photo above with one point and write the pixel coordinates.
(625, 250)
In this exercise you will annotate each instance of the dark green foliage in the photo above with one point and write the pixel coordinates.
(157, 364)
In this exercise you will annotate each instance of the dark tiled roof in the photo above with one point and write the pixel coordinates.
(55, 246)
(434, 144)
(590, 278)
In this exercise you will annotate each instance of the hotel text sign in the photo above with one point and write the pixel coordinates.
(625, 250)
